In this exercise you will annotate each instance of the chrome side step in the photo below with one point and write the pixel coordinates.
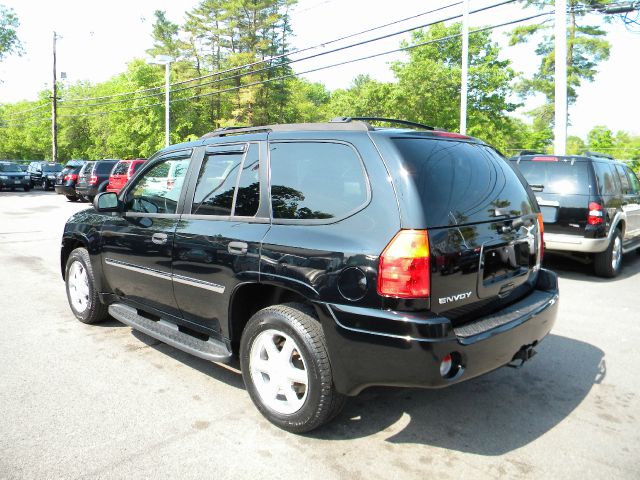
(631, 247)
(167, 332)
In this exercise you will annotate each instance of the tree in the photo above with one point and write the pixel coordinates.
(9, 42)
(587, 47)
(600, 139)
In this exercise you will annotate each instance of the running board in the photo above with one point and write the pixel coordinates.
(167, 332)
(631, 247)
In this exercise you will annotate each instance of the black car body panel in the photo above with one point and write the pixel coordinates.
(43, 173)
(209, 232)
(67, 179)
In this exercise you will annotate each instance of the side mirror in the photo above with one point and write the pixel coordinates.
(106, 202)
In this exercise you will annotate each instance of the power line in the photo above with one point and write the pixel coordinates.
(270, 59)
(22, 112)
(282, 77)
(8, 125)
(364, 42)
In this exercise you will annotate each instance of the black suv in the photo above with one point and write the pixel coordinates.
(12, 177)
(94, 178)
(67, 179)
(328, 257)
(590, 205)
(43, 174)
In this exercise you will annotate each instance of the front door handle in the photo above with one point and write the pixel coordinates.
(237, 248)
(159, 238)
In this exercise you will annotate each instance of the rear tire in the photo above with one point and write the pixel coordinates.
(80, 286)
(607, 264)
(45, 185)
(71, 198)
(27, 188)
(282, 347)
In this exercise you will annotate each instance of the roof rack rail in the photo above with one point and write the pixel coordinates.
(596, 154)
(406, 123)
(224, 131)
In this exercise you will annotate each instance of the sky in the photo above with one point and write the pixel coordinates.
(99, 38)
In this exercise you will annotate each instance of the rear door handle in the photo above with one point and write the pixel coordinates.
(159, 238)
(237, 248)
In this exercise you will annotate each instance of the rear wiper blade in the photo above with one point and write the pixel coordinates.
(536, 187)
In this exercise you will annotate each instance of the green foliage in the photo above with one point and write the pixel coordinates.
(9, 42)
(587, 47)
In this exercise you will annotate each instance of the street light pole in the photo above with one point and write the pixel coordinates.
(560, 124)
(54, 106)
(465, 68)
(167, 87)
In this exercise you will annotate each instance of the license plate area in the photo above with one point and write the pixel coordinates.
(17, 182)
(504, 267)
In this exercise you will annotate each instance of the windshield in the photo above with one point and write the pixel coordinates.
(460, 183)
(52, 168)
(9, 168)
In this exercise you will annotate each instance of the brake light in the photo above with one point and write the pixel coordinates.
(451, 135)
(544, 159)
(71, 176)
(596, 215)
(541, 230)
(403, 271)
(93, 180)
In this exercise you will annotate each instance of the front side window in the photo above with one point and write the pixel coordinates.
(158, 189)
(315, 180)
(633, 181)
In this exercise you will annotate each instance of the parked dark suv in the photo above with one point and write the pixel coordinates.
(12, 177)
(43, 174)
(94, 178)
(67, 179)
(590, 205)
(328, 257)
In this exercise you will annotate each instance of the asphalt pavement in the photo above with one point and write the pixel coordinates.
(80, 401)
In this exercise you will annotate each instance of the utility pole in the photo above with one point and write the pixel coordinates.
(465, 68)
(54, 106)
(560, 125)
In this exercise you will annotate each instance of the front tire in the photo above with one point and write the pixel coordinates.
(286, 370)
(72, 198)
(80, 286)
(607, 264)
(27, 188)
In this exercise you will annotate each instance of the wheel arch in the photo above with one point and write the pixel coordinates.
(248, 298)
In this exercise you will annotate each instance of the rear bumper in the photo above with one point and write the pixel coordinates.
(65, 190)
(362, 357)
(87, 190)
(574, 243)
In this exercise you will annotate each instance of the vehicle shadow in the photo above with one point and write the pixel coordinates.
(489, 415)
(576, 269)
(31, 193)
(229, 374)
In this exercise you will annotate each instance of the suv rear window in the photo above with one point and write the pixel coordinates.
(52, 168)
(557, 177)
(461, 182)
(103, 167)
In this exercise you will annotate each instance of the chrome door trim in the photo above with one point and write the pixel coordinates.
(193, 282)
(137, 269)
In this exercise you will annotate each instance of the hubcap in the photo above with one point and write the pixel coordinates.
(78, 287)
(616, 253)
(278, 372)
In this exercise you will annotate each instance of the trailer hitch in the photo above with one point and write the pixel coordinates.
(525, 353)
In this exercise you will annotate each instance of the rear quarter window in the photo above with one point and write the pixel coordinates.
(460, 183)
(120, 168)
(605, 177)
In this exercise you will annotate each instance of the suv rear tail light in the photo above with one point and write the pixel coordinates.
(93, 180)
(544, 159)
(71, 176)
(596, 215)
(541, 230)
(403, 271)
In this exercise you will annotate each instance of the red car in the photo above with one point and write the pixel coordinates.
(122, 172)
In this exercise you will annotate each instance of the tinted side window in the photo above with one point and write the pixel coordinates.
(136, 167)
(155, 191)
(120, 168)
(633, 181)
(216, 184)
(103, 167)
(313, 180)
(248, 192)
(624, 181)
(605, 178)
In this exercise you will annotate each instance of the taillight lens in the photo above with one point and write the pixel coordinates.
(541, 230)
(93, 180)
(545, 159)
(596, 215)
(403, 270)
